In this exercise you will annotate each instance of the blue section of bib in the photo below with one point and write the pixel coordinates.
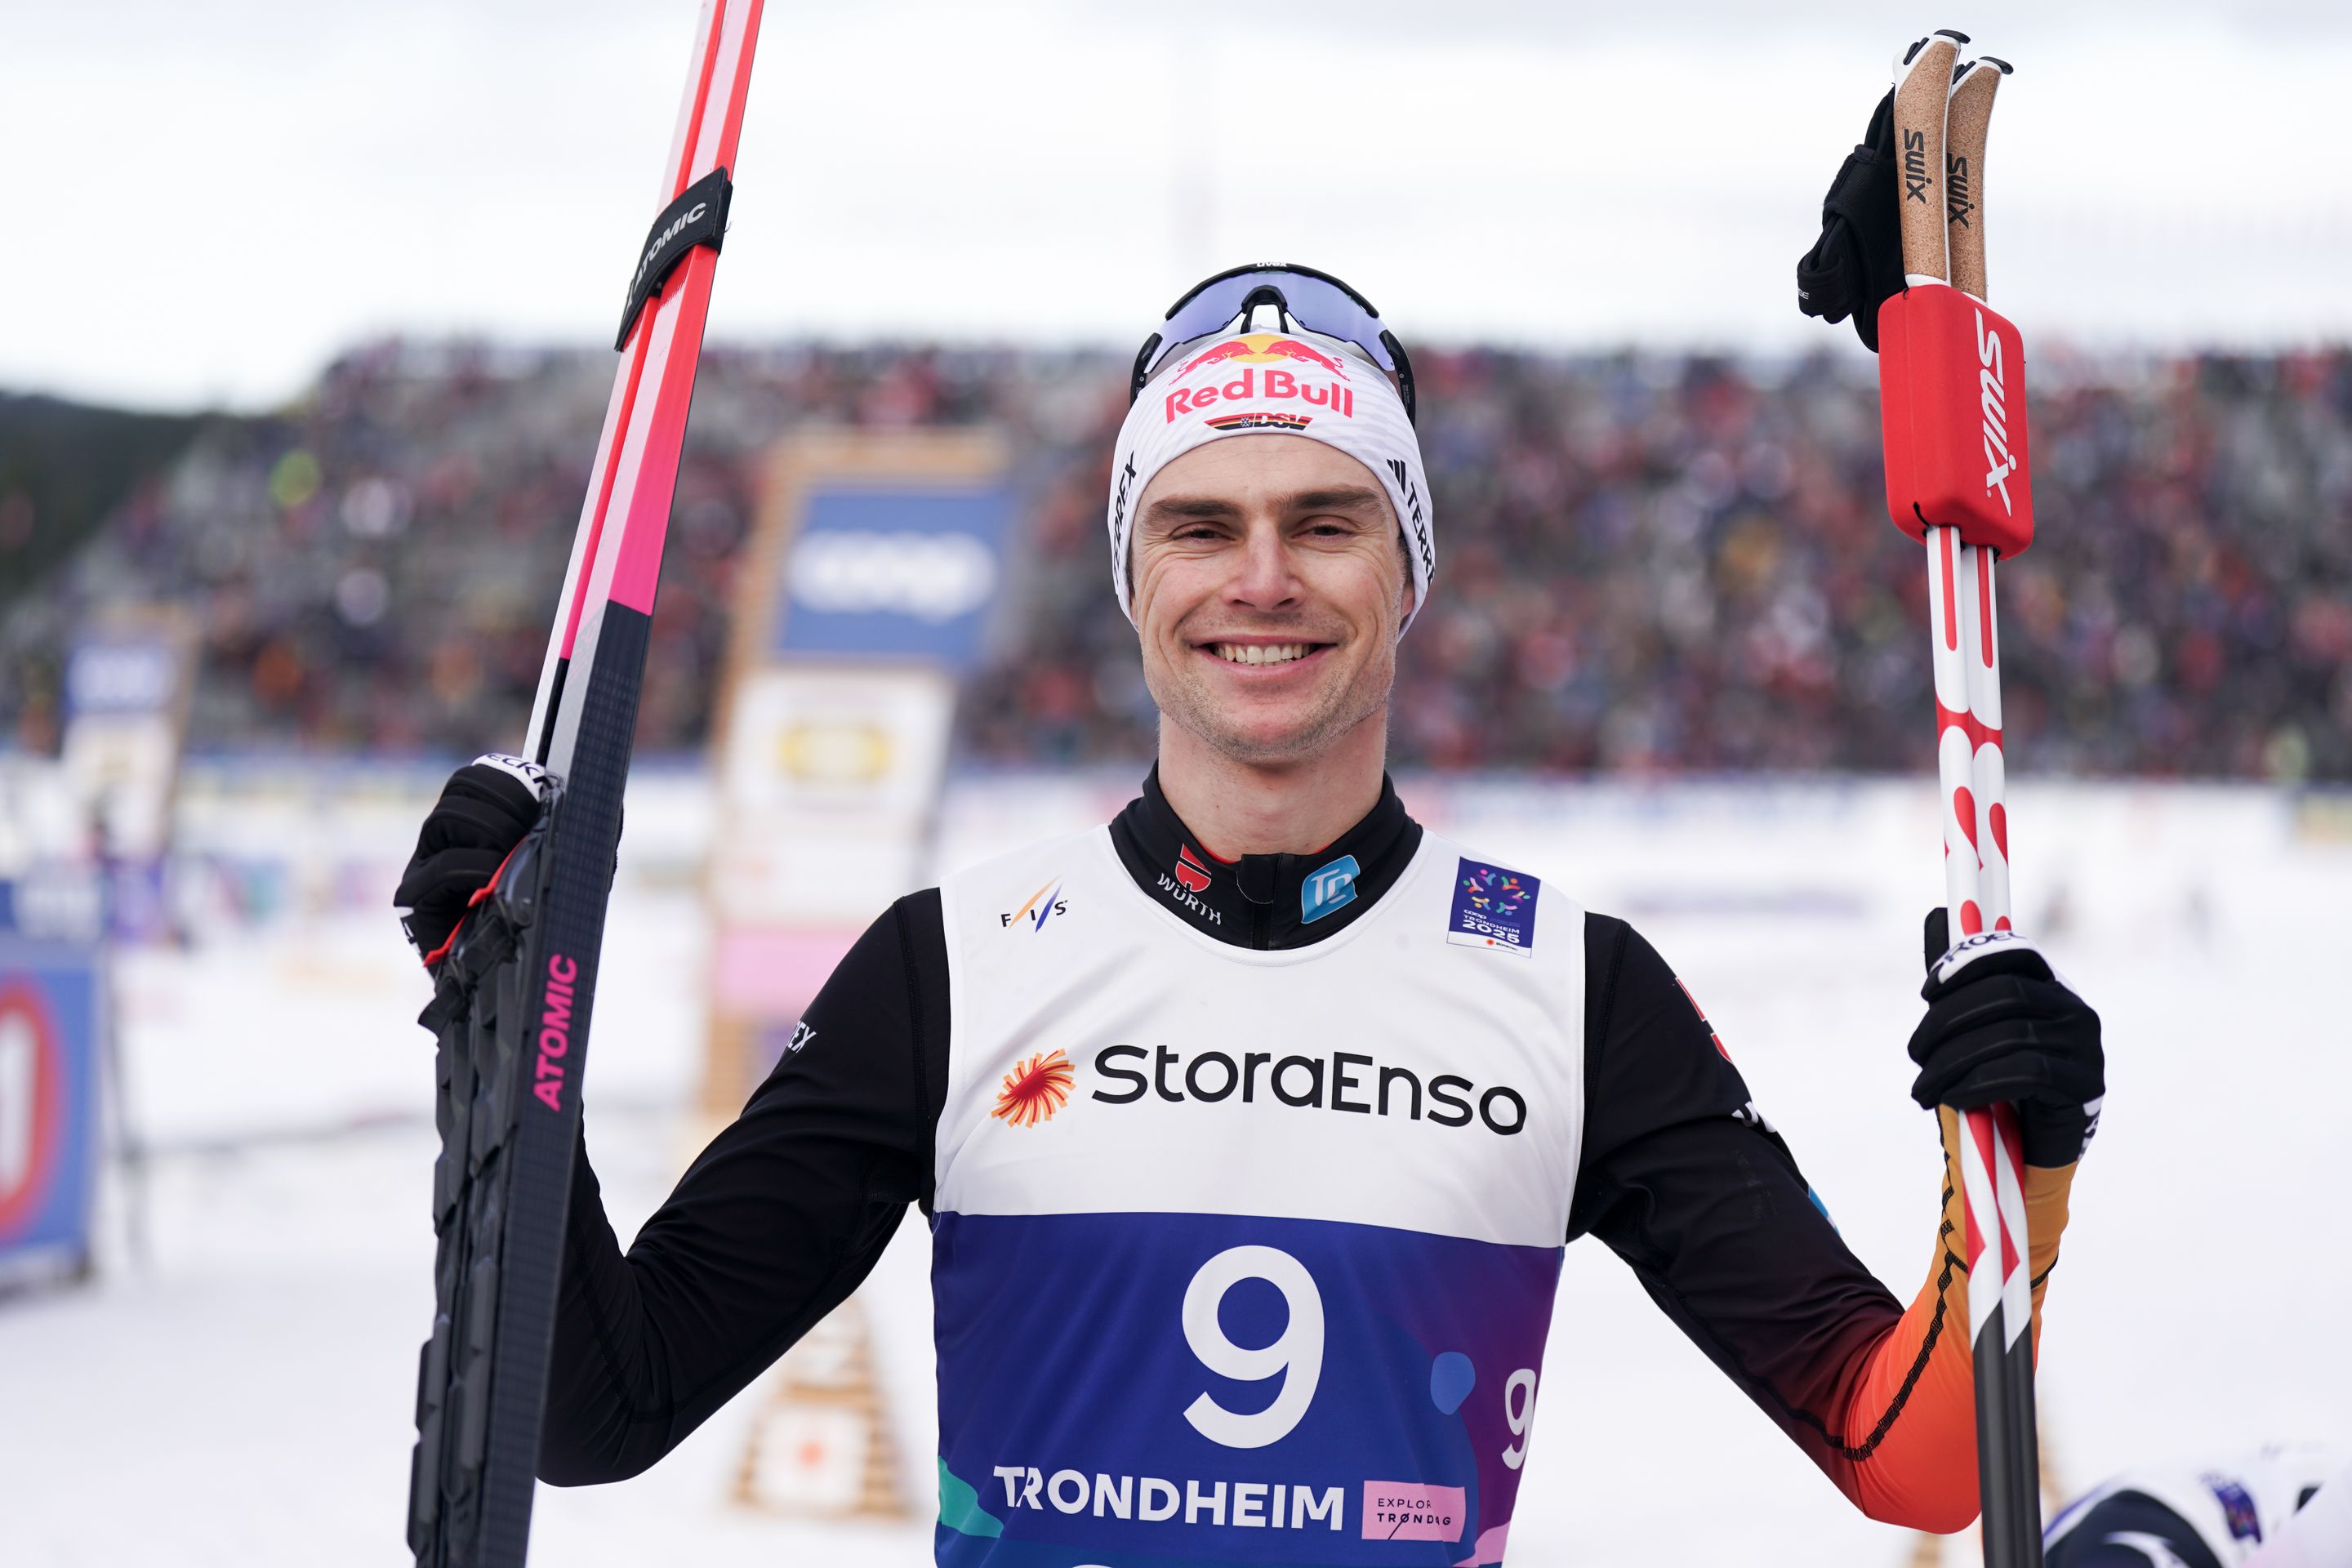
(1161, 1390)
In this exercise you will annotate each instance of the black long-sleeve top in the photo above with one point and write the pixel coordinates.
(790, 1206)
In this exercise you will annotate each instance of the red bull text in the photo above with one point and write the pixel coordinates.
(1274, 385)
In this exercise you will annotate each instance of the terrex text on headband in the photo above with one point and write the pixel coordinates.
(1308, 300)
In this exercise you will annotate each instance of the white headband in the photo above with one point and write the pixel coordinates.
(1280, 382)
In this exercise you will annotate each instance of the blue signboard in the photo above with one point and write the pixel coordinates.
(52, 1007)
(121, 673)
(894, 573)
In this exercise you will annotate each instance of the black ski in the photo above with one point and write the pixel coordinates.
(514, 990)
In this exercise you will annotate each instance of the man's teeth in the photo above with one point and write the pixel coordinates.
(1263, 653)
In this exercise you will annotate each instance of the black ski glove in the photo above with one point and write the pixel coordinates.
(2001, 1027)
(1857, 263)
(485, 810)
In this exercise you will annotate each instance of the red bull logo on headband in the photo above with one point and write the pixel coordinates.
(1265, 348)
(1273, 368)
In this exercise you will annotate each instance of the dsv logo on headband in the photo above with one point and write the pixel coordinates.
(932, 576)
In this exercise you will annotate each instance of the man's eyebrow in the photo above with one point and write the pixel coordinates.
(1341, 498)
(1338, 498)
(1174, 507)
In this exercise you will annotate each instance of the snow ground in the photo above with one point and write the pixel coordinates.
(242, 1394)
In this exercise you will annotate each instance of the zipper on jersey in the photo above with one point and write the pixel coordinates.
(1260, 880)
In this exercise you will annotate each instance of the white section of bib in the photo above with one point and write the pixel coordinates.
(1112, 968)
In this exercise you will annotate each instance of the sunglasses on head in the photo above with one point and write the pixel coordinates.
(1310, 301)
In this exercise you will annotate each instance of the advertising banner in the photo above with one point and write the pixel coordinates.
(865, 591)
(52, 1009)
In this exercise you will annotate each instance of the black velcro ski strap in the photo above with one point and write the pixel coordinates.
(698, 216)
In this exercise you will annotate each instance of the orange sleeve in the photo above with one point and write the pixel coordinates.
(1909, 1416)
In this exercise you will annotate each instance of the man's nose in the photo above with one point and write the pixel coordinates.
(1264, 578)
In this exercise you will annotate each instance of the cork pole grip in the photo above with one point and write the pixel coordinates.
(1967, 117)
(1920, 153)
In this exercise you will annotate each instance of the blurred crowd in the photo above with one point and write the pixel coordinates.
(1645, 562)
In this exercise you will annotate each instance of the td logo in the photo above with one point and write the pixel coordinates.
(1328, 888)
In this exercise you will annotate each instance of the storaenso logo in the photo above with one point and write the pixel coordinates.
(555, 1030)
(1994, 404)
(1916, 176)
(1956, 204)
(1346, 1081)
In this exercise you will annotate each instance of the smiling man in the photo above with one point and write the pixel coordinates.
(1251, 1125)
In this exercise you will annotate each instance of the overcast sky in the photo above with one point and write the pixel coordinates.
(205, 202)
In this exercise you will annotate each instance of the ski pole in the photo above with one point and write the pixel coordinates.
(1968, 119)
(1969, 767)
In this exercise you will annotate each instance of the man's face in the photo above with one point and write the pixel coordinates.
(1269, 592)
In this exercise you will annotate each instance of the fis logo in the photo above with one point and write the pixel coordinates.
(1042, 905)
(1916, 178)
(1328, 888)
(1994, 404)
(1189, 871)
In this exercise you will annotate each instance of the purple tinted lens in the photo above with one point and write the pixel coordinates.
(1315, 305)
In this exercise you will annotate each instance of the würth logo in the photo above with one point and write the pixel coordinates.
(1189, 871)
(1994, 403)
(555, 1030)
(1916, 177)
